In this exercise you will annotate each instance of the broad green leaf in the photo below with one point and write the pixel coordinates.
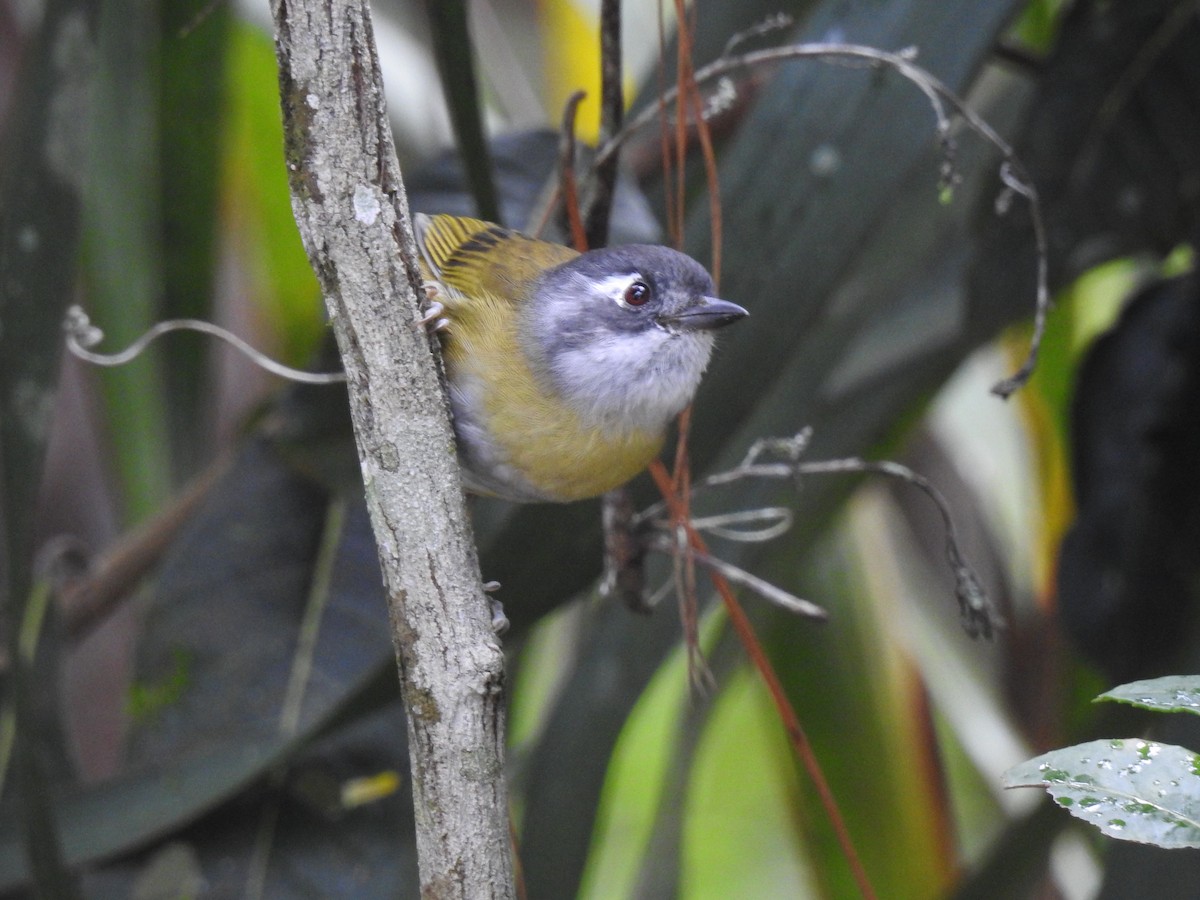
(456, 64)
(122, 241)
(739, 831)
(193, 35)
(42, 146)
(215, 656)
(1131, 789)
(126, 813)
(1037, 26)
(257, 209)
(1174, 693)
(859, 700)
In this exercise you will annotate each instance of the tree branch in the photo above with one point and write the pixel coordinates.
(351, 209)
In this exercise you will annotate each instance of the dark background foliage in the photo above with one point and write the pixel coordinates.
(143, 174)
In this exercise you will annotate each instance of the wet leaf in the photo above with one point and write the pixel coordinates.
(1132, 789)
(1174, 693)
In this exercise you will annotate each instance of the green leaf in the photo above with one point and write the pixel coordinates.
(257, 214)
(122, 242)
(1174, 693)
(192, 41)
(456, 63)
(1130, 789)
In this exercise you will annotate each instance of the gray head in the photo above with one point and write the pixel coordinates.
(623, 334)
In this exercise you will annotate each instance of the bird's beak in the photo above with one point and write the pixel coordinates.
(707, 314)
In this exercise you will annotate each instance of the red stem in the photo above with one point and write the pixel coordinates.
(791, 722)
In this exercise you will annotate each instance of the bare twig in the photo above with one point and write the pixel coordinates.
(683, 576)
(612, 112)
(773, 521)
(674, 227)
(1020, 184)
(772, 593)
(88, 599)
(684, 81)
(776, 22)
(82, 335)
(979, 618)
(624, 555)
(568, 186)
(941, 99)
(787, 713)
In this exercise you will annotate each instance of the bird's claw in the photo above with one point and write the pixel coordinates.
(434, 319)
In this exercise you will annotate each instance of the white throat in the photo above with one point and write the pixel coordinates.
(632, 381)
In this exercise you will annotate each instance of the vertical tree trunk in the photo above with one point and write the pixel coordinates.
(349, 203)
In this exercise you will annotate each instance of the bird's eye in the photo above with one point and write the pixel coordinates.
(637, 294)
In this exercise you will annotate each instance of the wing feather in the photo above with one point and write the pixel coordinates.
(473, 257)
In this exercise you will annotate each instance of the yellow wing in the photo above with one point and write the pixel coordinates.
(473, 258)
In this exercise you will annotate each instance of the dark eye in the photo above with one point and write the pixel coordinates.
(637, 294)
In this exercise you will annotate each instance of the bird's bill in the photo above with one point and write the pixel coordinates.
(707, 314)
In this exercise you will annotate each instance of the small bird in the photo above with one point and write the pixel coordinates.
(565, 369)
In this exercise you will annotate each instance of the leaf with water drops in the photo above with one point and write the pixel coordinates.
(1130, 789)
(1174, 693)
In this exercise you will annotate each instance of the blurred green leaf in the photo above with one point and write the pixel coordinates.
(740, 830)
(193, 40)
(1037, 25)
(862, 706)
(43, 143)
(454, 51)
(123, 247)
(255, 199)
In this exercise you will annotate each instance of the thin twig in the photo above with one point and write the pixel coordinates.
(684, 78)
(940, 97)
(566, 171)
(979, 618)
(776, 22)
(624, 555)
(772, 593)
(1022, 185)
(787, 713)
(708, 154)
(89, 599)
(674, 228)
(683, 565)
(778, 519)
(612, 112)
(82, 334)
(297, 687)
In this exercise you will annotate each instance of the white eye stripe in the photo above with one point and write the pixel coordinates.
(615, 287)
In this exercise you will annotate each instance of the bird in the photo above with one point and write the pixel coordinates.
(565, 369)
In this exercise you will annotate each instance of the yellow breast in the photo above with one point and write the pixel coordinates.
(535, 433)
(517, 437)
